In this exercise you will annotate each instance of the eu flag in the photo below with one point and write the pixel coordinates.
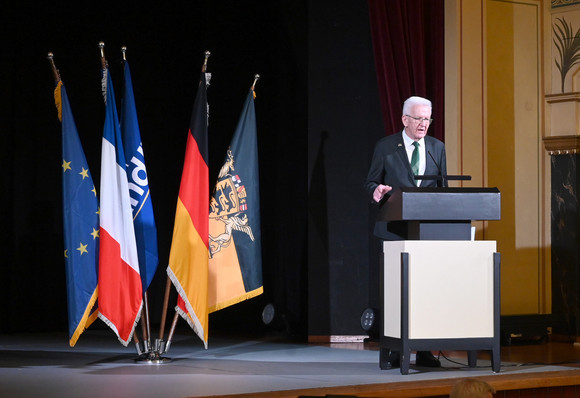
(81, 224)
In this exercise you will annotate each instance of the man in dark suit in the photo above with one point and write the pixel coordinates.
(396, 160)
(391, 163)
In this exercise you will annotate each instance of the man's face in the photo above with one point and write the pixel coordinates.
(417, 129)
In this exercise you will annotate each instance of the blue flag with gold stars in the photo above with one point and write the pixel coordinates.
(81, 224)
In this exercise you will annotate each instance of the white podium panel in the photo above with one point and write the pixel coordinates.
(451, 289)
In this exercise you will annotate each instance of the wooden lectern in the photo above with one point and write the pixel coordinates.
(439, 289)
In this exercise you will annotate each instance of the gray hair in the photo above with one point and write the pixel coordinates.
(412, 101)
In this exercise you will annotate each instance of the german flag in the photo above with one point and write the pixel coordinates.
(188, 257)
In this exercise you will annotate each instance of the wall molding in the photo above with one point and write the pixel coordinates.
(562, 145)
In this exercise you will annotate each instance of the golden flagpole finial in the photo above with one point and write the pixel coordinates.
(55, 72)
(123, 51)
(256, 78)
(207, 55)
(103, 60)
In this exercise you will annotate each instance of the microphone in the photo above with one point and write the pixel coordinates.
(434, 161)
(438, 169)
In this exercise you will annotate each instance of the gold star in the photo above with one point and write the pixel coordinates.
(95, 233)
(65, 253)
(98, 210)
(65, 165)
(82, 248)
(94, 190)
(84, 173)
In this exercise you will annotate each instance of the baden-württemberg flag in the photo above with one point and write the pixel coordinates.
(120, 292)
(145, 230)
(188, 257)
(235, 265)
(81, 224)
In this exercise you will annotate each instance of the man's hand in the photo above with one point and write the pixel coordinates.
(380, 191)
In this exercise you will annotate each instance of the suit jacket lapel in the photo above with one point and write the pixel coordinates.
(430, 168)
(405, 158)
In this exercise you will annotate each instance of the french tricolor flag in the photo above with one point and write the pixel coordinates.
(120, 291)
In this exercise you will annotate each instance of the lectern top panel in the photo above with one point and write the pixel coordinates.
(443, 204)
(445, 190)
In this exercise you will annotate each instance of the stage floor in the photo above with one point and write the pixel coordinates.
(43, 365)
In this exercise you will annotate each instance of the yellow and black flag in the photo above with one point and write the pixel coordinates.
(235, 264)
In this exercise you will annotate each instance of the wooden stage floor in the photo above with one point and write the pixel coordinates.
(43, 365)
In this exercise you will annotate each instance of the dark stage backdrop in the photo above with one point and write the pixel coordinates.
(344, 122)
(165, 46)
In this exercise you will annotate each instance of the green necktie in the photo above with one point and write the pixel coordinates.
(415, 159)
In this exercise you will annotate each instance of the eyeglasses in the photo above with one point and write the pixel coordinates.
(420, 119)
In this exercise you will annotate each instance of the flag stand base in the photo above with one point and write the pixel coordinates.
(152, 359)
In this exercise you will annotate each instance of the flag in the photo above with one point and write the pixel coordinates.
(120, 292)
(143, 219)
(188, 257)
(235, 264)
(80, 222)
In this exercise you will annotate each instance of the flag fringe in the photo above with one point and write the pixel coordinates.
(236, 300)
(112, 325)
(104, 84)
(87, 319)
(58, 100)
(190, 321)
(194, 323)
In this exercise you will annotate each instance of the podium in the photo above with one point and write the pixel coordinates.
(439, 289)
(439, 213)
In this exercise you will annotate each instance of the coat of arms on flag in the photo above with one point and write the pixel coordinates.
(227, 208)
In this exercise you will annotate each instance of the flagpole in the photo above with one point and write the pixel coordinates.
(160, 345)
(103, 60)
(204, 67)
(145, 326)
(55, 71)
(171, 331)
(256, 78)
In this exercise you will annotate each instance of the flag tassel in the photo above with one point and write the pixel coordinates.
(104, 68)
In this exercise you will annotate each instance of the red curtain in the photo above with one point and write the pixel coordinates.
(408, 38)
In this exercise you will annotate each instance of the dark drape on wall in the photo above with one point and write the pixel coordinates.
(408, 37)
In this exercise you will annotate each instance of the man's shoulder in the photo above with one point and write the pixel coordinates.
(391, 139)
(433, 141)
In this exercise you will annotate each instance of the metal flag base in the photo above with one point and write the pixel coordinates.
(153, 357)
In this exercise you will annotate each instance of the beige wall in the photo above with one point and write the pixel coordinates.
(494, 129)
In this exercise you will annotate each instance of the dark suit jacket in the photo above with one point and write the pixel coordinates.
(390, 166)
